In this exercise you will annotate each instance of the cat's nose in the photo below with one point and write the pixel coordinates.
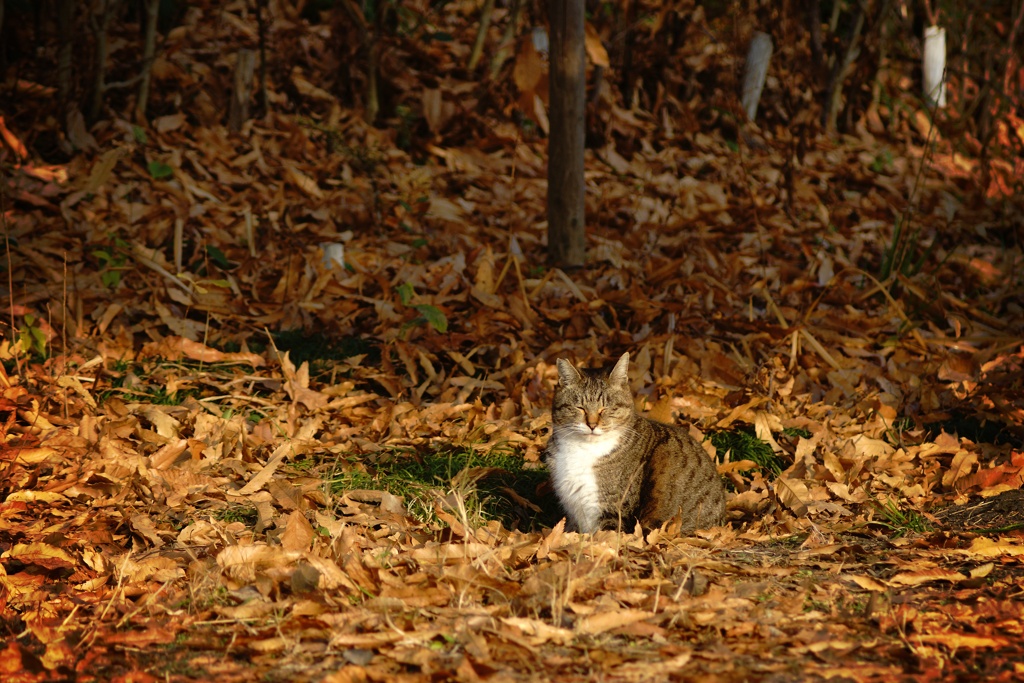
(592, 420)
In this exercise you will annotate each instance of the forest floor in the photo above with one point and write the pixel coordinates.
(275, 402)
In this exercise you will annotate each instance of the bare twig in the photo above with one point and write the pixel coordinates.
(481, 34)
(10, 266)
(507, 38)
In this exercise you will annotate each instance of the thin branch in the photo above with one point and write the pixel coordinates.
(481, 34)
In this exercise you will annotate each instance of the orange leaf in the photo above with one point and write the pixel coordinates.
(917, 578)
(606, 621)
(41, 554)
(595, 48)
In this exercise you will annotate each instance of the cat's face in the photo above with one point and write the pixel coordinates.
(590, 402)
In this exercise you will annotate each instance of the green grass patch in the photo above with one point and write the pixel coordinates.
(146, 382)
(498, 484)
(246, 514)
(899, 521)
(742, 444)
(138, 391)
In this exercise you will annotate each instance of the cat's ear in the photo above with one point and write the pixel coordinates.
(568, 375)
(620, 373)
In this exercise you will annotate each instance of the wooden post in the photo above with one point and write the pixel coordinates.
(759, 54)
(566, 224)
(241, 93)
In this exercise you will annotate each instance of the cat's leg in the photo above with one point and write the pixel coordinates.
(610, 521)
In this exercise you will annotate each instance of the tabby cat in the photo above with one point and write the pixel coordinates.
(612, 467)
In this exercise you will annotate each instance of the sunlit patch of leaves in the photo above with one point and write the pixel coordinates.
(498, 484)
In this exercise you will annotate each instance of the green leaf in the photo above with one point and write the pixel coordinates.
(102, 255)
(111, 278)
(434, 316)
(218, 257)
(159, 170)
(39, 338)
(405, 293)
(30, 319)
(139, 134)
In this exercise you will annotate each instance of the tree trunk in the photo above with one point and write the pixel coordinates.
(566, 246)
(814, 18)
(151, 8)
(99, 21)
(65, 22)
(842, 67)
(241, 92)
(261, 23)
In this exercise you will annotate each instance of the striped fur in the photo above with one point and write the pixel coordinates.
(612, 467)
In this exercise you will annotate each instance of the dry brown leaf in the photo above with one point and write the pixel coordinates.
(539, 632)
(963, 462)
(40, 554)
(917, 578)
(866, 582)
(298, 533)
(993, 547)
(793, 493)
(175, 348)
(593, 624)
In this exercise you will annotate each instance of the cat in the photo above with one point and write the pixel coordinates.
(612, 467)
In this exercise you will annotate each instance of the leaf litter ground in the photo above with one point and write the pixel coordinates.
(187, 496)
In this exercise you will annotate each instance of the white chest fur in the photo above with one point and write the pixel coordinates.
(572, 457)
